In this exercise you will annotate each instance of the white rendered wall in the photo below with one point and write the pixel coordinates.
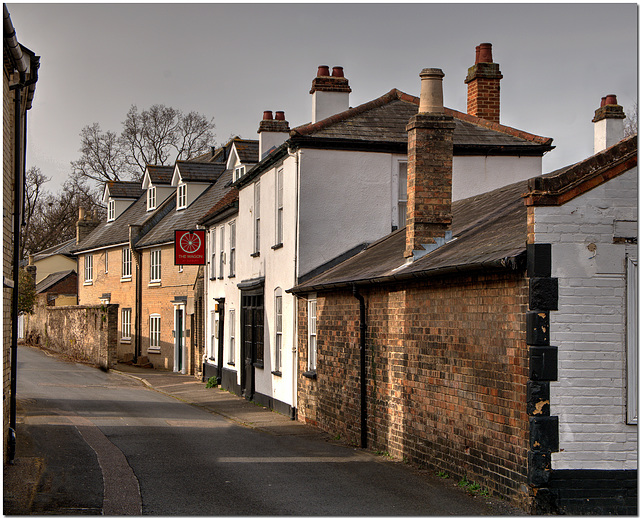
(326, 104)
(474, 175)
(277, 265)
(589, 328)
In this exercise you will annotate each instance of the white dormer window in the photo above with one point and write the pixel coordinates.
(111, 213)
(238, 172)
(151, 198)
(182, 196)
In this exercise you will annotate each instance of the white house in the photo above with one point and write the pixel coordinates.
(323, 190)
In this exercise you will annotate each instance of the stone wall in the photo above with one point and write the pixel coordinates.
(84, 333)
(447, 369)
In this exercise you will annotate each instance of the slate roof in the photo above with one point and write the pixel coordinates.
(489, 231)
(160, 174)
(206, 172)
(59, 249)
(52, 279)
(187, 219)
(247, 150)
(124, 189)
(116, 232)
(385, 120)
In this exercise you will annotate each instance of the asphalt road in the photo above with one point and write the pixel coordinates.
(109, 445)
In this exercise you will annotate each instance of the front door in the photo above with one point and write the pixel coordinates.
(178, 345)
(252, 341)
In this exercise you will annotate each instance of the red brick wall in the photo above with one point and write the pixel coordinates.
(447, 368)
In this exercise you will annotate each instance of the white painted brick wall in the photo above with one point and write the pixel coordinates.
(589, 328)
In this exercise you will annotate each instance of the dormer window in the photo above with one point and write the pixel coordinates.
(111, 213)
(238, 172)
(182, 196)
(151, 198)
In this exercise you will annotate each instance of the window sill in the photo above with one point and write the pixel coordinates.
(126, 340)
(276, 247)
(258, 365)
(255, 254)
(154, 284)
(125, 279)
(310, 374)
(277, 373)
(88, 283)
(154, 350)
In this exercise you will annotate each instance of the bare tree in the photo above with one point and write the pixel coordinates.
(163, 134)
(33, 195)
(631, 122)
(103, 157)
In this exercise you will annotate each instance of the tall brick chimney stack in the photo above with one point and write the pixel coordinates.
(483, 85)
(85, 224)
(429, 168)
(608, 122)
(272, 132)
(330, 93)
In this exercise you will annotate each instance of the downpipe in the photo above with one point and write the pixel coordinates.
(363, 368)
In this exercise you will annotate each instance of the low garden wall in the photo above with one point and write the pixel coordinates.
(84, 333)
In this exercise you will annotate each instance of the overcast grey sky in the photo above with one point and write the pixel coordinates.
(233, 61)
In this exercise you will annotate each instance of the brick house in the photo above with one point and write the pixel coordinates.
(58, 289)
(487, 339)
(320, 192)
(18, 89)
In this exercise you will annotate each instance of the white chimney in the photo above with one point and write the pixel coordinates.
(608, 122)
(330, 93)
(272, 132)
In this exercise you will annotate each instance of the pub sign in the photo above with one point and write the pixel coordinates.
(189, 247)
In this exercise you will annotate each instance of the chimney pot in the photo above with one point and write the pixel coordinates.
(81, 213)
(337, 72)
(477, 54)
(484, 53)
(602, 102)
(323, 70)
(267, 115)
(280, 116)
(610, 99)
(431, 91)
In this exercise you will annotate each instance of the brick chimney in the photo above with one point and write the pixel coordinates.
(330, 93)
(272, 132)
(608, 122)
(86, 223)
(483, 85)
(429, 169)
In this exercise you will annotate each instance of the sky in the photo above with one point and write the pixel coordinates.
(232, 61)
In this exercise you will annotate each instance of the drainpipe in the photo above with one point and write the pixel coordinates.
(363, 369)
(294, 347)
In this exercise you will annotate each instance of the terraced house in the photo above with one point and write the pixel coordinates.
(319, 194)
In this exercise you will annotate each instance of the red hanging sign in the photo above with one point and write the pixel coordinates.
(189, 247)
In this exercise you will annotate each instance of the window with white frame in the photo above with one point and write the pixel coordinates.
(256, 218)
(154, 332)
(238, 172)
(212, 263)
(106, 261)
(232, 249)
(155, 265)
(182, 196)
(221, 260)
(88, 268)
(214, 336)
(402, 194)
(279, 206)
(151, 198)
(111, 211)
(632, 340)
(232, 337)
(313, 344)
(126, 262)
(277, 363)
(126, 324)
